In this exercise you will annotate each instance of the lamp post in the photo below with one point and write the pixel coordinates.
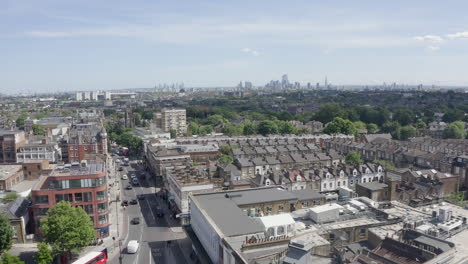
(120, 251)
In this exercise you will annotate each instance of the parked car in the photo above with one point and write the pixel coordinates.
(133, 201)
(132, 246)
(159, 212)
(120, 168)
(129, 187)
(133, 176)
(117, 161)
(135, 221)
(140, 197)
(125, 203)
(135, 181)
(124, 177)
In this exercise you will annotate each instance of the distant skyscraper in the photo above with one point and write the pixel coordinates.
(284, 81)
(248, 85)
(326, 82)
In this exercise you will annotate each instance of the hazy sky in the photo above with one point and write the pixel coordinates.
(51, 45)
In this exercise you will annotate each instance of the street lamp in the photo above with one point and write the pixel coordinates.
(120, 252)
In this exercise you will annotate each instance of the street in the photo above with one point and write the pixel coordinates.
(152, 232)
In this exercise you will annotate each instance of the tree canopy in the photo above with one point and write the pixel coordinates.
(44, 254)
(6, 234)
(340, 125)
(67, 229)
(38, 129)
(353, 158)
(455, 130)
(10, 259)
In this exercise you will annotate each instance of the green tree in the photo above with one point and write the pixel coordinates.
(328, 112)
(268, 127)
(285, 116)
(215, 120)
(420, 124)
(286, 127)
(67, 229)
(204, 130)
(360, 125)
(232, 130)
(226, 150)
(137, 119)
(20, 121)
(372, 128)
(38, 129)
(193, 128)
(108, 112)
(10, 259)
(406, 132)
(353, 158)
(226, 159)
(404, 116)
(44, 254)
(453, 115)
(6, 234)
(340, 125)
(250, 128)
(455, 130)
(173, 133)
(10, 197)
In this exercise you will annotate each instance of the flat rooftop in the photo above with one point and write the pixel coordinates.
(75, 170)
(223, 208)
(6, 171)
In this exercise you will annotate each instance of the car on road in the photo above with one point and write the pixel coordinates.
(129, 187)
(140, 197)
(135, 221)
(132, 246)
(124, 203)
(133, 175)
(124, 177)
(135, 181)
(133, 201)
(120, 168)
(117, 161)
(159, 212)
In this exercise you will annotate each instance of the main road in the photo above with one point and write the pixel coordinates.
(152, 232)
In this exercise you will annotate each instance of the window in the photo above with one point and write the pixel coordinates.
(103, 207)
(269, 209)
(101, 195)
(280, 208)
(331, 185)
(364, 180)
(324, 185)
(344, 183)
(88, 208)
(88, 197)
(64, 197)
(42, 199)
(78, 197)
(270, 232)
(339, 184)
(362, 233)
(103, 219)
(280, 231)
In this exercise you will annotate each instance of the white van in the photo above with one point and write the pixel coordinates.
(132, 246)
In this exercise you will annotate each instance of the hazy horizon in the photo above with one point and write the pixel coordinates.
(52, 46)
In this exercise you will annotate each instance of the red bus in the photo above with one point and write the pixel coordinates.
(94, 257)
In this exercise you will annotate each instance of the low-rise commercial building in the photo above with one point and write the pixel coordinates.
(10, 175)
(10, 141)
(82, 184)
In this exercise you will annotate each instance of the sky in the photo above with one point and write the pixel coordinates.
(57, 45)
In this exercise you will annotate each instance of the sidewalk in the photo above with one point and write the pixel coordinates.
(117, 220)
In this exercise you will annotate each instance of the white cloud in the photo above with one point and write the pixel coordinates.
(430, 39)
(458, 35)
(250, 51)
(433, 48)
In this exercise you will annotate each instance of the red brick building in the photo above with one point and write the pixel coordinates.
(82, 184)
(35, 168)
(10, 141)
(86, 138)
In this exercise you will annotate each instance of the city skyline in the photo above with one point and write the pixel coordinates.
(51, 46)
